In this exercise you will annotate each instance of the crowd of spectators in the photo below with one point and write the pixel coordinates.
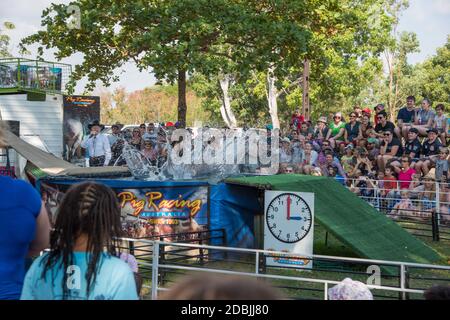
(395, 166)
(150, 140)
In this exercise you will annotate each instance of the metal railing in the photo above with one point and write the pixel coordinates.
(33, 75)
(426, 207)
(402, 290)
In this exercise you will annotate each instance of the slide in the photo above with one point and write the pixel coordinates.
(350, 219)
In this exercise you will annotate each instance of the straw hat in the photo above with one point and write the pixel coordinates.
(322, 119)
(431, 175)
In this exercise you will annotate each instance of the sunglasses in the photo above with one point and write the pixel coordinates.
(352, 116)
(405, 161)
(386, 134)
(136, 132)
(336, 117)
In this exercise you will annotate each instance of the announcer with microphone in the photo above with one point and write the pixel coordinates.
(98, 146)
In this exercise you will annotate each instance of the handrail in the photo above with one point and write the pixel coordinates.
(156, 265)
(312, 256)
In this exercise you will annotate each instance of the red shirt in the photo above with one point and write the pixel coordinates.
(299, 119)
(406, 178)
(389, 184)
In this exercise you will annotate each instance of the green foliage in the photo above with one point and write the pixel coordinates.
(435, 76)
(153, 104)
(4, 39)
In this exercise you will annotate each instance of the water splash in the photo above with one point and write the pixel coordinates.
(164, 169)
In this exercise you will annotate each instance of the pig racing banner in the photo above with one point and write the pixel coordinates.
(147, 211)
(79, 112)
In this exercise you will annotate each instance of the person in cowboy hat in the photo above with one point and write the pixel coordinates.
(98, 145)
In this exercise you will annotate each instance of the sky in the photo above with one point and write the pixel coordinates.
(429, 19)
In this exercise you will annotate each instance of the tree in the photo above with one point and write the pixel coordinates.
(171, 37)
(4, 39)
(435, 83)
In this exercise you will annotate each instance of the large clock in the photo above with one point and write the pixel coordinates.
(289, 217)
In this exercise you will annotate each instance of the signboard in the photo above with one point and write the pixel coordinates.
(31, 77)
(79, 112)
(148, 211)
(289, 227)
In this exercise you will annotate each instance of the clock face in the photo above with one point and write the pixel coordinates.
(289, 218)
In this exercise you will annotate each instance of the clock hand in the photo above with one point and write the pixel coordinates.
(289, 207)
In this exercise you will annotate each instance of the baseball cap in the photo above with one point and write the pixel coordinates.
(372, 140)
(414, 130)
(433, 130)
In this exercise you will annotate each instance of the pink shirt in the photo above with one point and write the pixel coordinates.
(406, 178)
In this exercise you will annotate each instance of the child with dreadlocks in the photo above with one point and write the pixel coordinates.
(82, 262)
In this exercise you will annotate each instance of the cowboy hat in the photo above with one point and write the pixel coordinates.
(96, 123)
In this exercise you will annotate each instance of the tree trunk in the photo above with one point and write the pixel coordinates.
(225, 118)
(182, 106)
(305, 90)
(272, 99)
(227, 112)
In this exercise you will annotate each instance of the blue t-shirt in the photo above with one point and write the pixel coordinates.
(405, 115)
(115, 280)
(20, 205)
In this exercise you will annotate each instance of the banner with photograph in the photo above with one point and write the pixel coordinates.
(79, 112)
(147, 211)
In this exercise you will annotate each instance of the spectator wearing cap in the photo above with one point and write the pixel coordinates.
(297, 119)
(430, 151)
(366, 111)
(383, 125)
(321, 129)
(413, 147)
(378, 108)
(364, 126)
(440, 123)
(424, 117)
(351, 129)
(390, 147)
(337, 129)
(406, 117)
(372, 148)
(348, 289)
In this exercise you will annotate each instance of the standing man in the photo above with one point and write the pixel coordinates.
(405, 118)
(97, 145)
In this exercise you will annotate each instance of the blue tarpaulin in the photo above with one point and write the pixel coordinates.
(231, 207)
